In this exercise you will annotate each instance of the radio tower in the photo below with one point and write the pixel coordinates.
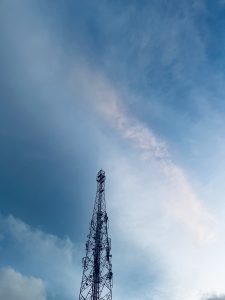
(97, 268)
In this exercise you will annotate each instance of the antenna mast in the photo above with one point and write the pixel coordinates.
(97, 267)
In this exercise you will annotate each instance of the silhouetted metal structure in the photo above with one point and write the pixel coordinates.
(97, 267)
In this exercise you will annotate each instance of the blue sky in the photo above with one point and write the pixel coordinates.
(135, 88)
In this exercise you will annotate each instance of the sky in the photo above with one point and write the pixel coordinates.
(136, 88)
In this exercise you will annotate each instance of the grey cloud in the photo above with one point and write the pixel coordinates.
(15, 286)
(216, 297)
(46, 255)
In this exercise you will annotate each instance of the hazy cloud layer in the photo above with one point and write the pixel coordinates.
(137, 89)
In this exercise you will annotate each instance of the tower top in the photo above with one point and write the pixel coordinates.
(101, 176)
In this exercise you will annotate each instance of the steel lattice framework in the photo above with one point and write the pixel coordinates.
(97, 267)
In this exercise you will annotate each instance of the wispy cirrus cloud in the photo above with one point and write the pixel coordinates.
(183, 202)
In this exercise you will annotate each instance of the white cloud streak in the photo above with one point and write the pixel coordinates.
(183, 202)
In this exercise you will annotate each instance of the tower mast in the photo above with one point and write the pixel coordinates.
(97, 276)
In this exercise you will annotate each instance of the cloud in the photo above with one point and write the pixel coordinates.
(150, 196)
(215, 297)
(94, 87)
(41, 254)
(183, 203)
(15, 286)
